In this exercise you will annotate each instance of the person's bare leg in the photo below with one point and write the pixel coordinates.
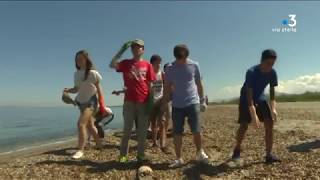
(163, 132)
(94, 132)
(82, 127)
(177, 140)
(197, 140)
(88, 128)
(88, 137)
(268, 124)
(240, 135)
(91, 124)
(154, 130)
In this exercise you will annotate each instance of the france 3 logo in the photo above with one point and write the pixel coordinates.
(288, 25)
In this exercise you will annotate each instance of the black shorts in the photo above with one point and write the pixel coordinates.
(262, 109)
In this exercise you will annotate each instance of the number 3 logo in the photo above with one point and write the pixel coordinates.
(293, 21)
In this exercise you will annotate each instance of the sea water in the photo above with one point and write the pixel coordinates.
(23, 127)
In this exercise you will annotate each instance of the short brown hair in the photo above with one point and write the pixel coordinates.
(154, 58)
(180, 50)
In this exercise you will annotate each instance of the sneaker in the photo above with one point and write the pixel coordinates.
(77, 155)
(202, 157)
(236, 155)
(123, 159)
(272, 159)
(177, 163)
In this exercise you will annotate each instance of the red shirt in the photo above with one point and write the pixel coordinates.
(137, 76)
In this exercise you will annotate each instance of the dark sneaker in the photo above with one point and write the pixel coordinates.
(235, 161)
(236, 154)
(272, 159)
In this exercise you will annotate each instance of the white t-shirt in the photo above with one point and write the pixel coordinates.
(87, 88)
(157, 86)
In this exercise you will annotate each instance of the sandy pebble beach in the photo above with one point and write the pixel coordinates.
(296, 143)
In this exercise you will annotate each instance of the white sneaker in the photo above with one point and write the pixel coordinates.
(177, 163)
(202, 157)
(77, 155)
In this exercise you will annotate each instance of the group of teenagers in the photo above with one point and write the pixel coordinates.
(176, 93)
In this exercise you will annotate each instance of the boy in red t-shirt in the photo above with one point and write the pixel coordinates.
(137, 76)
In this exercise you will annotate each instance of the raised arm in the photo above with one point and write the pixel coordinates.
(115, 60)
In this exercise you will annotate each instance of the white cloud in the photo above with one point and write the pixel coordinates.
(228, 92)
(295, 86)
(300, 84)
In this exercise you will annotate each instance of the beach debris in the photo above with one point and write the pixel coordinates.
(67, 99)
(145, 171)
(104, 119)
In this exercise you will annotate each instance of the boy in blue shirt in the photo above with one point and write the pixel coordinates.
(253, 106)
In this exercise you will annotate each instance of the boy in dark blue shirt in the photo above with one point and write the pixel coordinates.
(253, 104)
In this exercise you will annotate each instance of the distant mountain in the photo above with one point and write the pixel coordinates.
(307, 96)
(281, 97)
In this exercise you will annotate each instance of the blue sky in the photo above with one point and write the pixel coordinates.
(38, 41)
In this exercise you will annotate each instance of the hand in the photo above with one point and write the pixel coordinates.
(254, 116)
(65, 90)
(274, 115)
(203, 107)
(257, 122)
(117, 93)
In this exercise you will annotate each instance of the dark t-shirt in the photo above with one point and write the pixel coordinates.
(258, 81)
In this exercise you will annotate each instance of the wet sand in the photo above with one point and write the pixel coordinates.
(296, 142)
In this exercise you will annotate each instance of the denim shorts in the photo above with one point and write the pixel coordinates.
(92, 104)
(192, 113)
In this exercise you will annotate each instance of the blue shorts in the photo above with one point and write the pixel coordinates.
(192, 113)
